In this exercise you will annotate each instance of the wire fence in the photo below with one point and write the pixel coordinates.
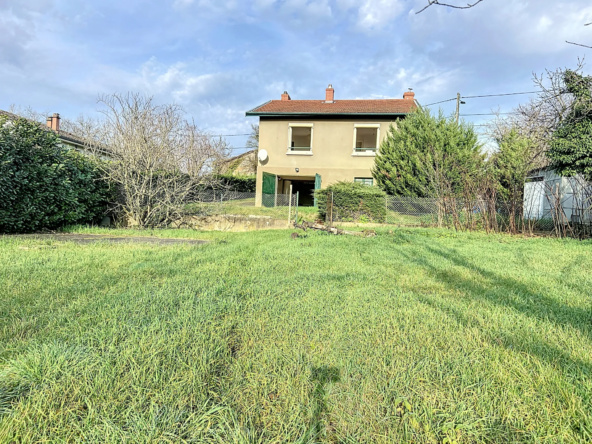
(224, 203)
(544, 207)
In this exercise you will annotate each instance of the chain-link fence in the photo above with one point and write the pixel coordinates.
(214, 203)
(543, 208)
(550, 211)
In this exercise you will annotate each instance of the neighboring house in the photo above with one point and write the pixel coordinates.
(67, 140)
(314, 143)
(244, 164)
(548, 195)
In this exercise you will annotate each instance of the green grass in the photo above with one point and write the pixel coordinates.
(418, 336)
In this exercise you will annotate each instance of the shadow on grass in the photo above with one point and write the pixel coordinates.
(509, 293)
(322, 377)
(526, 301)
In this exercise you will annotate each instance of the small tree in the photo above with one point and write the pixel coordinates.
(509, 168)
(159, 159)
(427, 156)
(253, 143)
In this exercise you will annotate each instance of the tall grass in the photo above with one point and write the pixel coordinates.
(420, 336)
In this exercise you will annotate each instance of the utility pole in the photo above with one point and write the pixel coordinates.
(458, 104)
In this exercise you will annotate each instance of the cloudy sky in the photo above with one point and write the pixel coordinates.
(220, 58)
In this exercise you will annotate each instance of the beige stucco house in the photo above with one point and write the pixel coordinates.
(310, 144)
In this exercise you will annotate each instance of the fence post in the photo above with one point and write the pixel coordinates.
(290, 206)
(297, 200)
(331, 209)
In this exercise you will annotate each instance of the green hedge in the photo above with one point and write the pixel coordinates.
(243, 184)
(43, 185)
(353, 201)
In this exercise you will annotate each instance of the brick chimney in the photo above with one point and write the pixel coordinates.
(286, 96)
(410, 95)
(330, 94)
(53, 122)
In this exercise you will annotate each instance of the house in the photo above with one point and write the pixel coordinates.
(307, 144)
(67, 139)
(547, 195)
(244, 164)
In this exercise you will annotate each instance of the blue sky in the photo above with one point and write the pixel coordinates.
(220, 58)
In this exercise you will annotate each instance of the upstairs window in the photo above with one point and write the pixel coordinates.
(300, 138)
(366, 138)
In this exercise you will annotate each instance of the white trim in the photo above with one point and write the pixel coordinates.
(366, 125)
(300, 125)
(296, 153)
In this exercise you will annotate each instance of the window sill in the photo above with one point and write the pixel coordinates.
(296, 153)
(368, 154)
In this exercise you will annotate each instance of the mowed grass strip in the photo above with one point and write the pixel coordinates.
(423, 336)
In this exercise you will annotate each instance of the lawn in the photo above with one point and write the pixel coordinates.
(415, 335)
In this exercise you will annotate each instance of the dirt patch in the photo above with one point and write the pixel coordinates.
(91, 238)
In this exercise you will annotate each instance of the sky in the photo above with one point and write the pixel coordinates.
(221, 58)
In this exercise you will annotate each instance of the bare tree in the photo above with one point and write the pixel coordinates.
(160, 160)
(538, 119)
(438, 3)
(253, 143)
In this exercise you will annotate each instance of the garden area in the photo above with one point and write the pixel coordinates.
(415, 335)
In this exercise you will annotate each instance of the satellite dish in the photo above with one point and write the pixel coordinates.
(262, 155)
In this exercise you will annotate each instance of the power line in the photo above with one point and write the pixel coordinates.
(230, 135)
(484, 114)
(499, 95)
(487, 95)
(443, 101)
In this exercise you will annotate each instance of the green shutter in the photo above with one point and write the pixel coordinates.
(317, 186)
(268, 197)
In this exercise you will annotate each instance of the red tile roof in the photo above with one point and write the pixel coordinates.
(379, 106)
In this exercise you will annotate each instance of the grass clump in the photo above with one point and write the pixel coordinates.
(415, 335)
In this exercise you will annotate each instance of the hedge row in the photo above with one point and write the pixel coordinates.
(243, 184)
(43, 185)
(353, 201)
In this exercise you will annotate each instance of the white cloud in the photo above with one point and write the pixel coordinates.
(376, 14)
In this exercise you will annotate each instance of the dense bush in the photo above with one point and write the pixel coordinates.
(570, 150)
(43, 185)
(243, 184)
(353, 201)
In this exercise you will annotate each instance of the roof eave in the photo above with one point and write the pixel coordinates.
(267, 114)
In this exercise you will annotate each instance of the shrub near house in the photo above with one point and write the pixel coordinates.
(42, 184)
(352, 201)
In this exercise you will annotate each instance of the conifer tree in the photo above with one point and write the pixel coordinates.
(423, 151)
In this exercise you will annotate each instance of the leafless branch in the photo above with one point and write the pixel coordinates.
(437, 2)
(578, 44)
(161, 160)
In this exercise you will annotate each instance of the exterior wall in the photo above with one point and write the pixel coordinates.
(243, 165)
(332, 157)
